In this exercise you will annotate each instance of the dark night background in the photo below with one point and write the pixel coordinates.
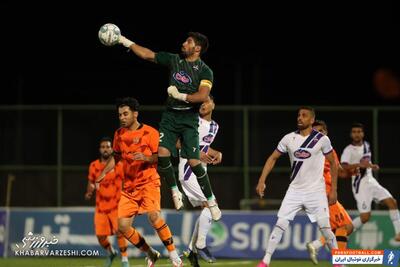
(264, 56)
(270, 53)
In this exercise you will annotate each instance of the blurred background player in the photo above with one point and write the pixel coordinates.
(136, 144)
(307, 149)
(107, 198)
(340, 220)
(190, 83)
(365, 187)
(208, 130)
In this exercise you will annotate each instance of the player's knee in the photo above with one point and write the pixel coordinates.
(123, 227)
(282, 224)
(101, 238)
(194, 162)
(323, 222)
(163, 152)
(349, 228)
(153, 217)
(365, 217)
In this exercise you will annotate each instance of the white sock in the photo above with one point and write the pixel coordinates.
(205, 221)
(194, 235)
(395, 217)
(173, 255)
(317, 244)
(124, 258)
(357, 224)
(330, 238)
(325, 228)
(275, 238)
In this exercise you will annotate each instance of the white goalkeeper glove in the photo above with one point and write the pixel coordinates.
(173, 92)
(125, 41)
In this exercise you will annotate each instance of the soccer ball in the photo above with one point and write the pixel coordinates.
(109, 34)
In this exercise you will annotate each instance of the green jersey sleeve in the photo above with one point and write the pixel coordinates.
(164, 58)
(207, 76)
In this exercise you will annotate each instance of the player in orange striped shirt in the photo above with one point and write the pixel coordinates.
(340, 220)
(136, 145)
(107, 198)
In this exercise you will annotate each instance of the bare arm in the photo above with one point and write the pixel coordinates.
(269, 165)
(200, 96)
(109, 167)
(89, 190)
(143, 52)
(332, 196)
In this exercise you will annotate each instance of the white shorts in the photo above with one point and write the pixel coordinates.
(369, 190)
(315, 204)
(190, 185)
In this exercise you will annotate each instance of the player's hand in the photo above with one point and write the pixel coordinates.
(88, 195)
(217, 159)
(332, 197)
(204, 157)
(173, 92)
(125, 41)
(260, 189)
(374, 167)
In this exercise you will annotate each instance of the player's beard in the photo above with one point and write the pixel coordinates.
(185, 54)
(302, 127)
(105, 156)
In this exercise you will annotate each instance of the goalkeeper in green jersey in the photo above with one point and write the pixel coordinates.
(190, 82)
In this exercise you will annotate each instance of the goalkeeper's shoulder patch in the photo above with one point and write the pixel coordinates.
(206, 83)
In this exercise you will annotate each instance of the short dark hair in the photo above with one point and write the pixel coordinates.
(105, 139)
(131, 102)
(201, 40)
(307, 108)
(321, 123)
(357, 125)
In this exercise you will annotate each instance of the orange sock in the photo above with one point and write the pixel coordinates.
(164, 233)
(136, 239)
(341, 237)
(123, 245)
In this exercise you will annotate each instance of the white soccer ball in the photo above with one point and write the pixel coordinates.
(109, 34)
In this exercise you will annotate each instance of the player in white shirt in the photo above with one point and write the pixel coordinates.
(365, 187)
(307, 150)
(208, 129)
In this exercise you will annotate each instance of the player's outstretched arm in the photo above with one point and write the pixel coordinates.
(269, 165)
(140, 51)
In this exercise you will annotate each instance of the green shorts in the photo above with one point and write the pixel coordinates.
(181, 125)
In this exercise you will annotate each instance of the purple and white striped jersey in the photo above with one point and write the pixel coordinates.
(207, 132)
(307, 157)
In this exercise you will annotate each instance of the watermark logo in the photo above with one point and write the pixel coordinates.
(358, 256)
(40, 245)
(36, 241)
(391, 257)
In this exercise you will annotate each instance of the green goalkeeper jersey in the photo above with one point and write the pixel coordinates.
(186, 76)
